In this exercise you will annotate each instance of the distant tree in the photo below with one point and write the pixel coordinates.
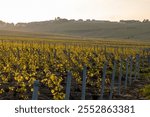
(80, 20)
(129, 21)
(146, 21)
(88, 20)
(93, 20)
(58, 19)
(72, 20)
(23, 24)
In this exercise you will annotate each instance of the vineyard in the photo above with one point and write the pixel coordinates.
(23, 61)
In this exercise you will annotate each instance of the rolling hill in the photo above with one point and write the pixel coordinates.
(90, 28)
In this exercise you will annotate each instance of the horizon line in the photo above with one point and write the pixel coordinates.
(88, 19)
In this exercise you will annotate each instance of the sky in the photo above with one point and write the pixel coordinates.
(41, 10)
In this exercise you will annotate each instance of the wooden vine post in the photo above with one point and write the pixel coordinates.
(35, 90)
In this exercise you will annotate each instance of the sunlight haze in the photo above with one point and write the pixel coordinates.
(40, 10)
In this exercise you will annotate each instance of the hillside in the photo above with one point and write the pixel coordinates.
(99, 29)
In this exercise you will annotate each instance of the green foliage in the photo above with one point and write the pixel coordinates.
(24, 61)
(146, 91)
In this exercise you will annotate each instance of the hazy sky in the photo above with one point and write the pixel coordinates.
(37, 10)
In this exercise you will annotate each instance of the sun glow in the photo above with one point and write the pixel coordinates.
(37, 10)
